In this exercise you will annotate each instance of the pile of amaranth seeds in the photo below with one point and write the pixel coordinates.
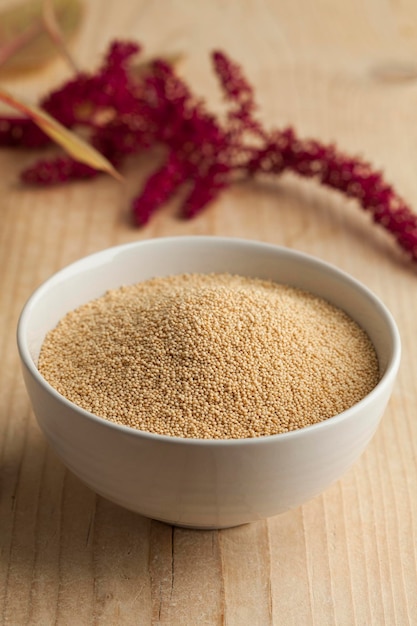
(212, 356)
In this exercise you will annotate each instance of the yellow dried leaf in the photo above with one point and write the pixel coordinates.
(69, 141)
(53, 27)
(25, 43)
(144, 66)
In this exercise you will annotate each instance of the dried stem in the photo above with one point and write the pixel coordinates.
(52, 27)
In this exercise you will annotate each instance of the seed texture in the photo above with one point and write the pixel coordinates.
(211, 356)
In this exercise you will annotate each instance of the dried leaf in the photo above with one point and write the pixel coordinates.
(10, 49)
(26, 43)
(69, 141)
(53, 28)
(144, 66)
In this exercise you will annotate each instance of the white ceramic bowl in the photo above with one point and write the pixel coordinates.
(192, 482)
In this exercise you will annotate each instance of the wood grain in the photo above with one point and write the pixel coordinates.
(337, 71)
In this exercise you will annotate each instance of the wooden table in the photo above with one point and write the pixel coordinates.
(337, 71)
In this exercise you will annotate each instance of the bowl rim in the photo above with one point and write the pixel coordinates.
(77, 266)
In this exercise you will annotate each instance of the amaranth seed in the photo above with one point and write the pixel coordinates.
(210, 356)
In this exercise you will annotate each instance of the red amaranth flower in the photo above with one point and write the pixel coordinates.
(352, 176)
(158, 189)
(238, 92)
(58, 170)
(18, 131)
(205, 190)
(83, 99)
(125, 112)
